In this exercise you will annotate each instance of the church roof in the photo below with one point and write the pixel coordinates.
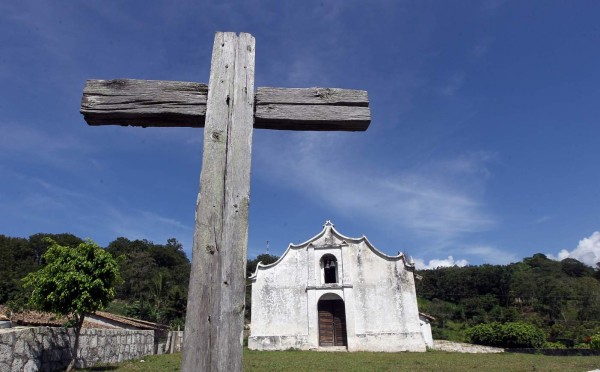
(330, 237)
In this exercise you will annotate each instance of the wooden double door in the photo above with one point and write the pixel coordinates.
(332, 323)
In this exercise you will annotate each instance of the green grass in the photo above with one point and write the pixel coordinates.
(362, 361)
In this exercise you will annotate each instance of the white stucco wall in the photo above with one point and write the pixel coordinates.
(279, 318)
(385, 303)
(378, 293)
(426, 330)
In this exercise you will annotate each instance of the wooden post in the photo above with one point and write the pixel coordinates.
(215, 311)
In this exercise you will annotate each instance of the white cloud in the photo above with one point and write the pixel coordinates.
(587, 251)
(440, 201)
(486, 254)
(542, 219)
(435, 263)
(491, 255)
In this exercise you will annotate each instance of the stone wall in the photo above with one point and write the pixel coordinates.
(49, 348)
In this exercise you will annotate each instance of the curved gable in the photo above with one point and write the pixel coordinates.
(330, 237)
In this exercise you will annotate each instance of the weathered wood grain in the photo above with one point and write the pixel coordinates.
(312, 96)
(202, 317)
(312, 117)
(156, 103)
(148, 103)
(237, 204)
(214, 320)
(316, 109)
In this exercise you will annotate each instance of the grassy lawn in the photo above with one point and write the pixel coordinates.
(363, 361)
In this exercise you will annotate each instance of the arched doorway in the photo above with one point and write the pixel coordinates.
(332, 322)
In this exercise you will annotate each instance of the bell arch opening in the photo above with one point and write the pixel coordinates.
(329, 269)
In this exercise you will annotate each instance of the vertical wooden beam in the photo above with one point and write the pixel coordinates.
(237, 203)
(215, 310)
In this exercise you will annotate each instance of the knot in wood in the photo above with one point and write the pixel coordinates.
(217, 136)
(239, 308)
(211, 249)
(323, 93)
(117, 83)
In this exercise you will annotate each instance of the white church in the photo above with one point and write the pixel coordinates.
(337, 292)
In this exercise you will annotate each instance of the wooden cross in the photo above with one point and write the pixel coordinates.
(228, 110)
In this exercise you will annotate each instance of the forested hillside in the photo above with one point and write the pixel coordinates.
(18, 257)
(155, 276)
(561, 297)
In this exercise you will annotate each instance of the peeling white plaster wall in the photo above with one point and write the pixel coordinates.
(378, 293)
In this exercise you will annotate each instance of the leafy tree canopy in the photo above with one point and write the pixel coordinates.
(264, 258)
(74, 281)
(155, 277)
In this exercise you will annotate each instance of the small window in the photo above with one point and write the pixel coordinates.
(329, 266)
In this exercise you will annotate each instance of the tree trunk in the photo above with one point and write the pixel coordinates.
(78, 326)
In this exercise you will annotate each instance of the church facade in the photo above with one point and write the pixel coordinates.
(334, 291)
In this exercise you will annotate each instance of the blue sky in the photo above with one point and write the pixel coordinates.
(483, 146)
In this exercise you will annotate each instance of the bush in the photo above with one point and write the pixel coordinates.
(554, 345)
(485, 334)
(595, 342)
(509, 335)
(582, 345)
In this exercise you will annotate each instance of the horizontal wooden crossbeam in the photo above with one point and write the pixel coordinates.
(146, 103)
(156, 103)
(312, 109)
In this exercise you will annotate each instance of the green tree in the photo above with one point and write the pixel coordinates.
(155, 279)
(575, 268)
(264, 259)
(74, 282)
(39, 243)
(16, 261)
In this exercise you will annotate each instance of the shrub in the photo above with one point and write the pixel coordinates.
(554, 345)
(485, 334)
(509, 335)
(582, 345)
(595, 342)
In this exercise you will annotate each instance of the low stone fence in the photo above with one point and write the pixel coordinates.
(556, 352)
(49, 348)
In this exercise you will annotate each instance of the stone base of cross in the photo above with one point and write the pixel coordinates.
(228, 110)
